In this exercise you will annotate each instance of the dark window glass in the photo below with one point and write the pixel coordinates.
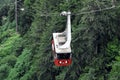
(63, 56)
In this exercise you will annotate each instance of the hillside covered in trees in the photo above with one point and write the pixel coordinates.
(26, 54)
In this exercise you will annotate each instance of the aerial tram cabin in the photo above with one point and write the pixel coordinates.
(61, 44)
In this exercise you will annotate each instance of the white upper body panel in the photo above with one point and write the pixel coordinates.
(62, 40)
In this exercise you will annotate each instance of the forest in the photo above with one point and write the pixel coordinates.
(25, 47)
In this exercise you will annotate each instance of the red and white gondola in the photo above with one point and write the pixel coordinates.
(61, 44)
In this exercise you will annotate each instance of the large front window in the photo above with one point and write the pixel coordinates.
(63, 55)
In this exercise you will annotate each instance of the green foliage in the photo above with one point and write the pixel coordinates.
(8, 45)
(88, 76)
(21, 67)
(4, 70)
(26, 55)
(114, 50)
(115, 72)
(10, 60)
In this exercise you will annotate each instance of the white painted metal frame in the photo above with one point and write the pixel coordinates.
(64, 37)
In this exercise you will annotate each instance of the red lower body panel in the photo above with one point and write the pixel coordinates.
(62, 62)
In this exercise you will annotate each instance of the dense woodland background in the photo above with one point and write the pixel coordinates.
(26, 54)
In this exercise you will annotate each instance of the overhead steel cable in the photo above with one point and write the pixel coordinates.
(93, 11)
(78, 13)
(81, 12)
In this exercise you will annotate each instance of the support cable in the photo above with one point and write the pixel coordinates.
(78, 13)
(83, 12)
